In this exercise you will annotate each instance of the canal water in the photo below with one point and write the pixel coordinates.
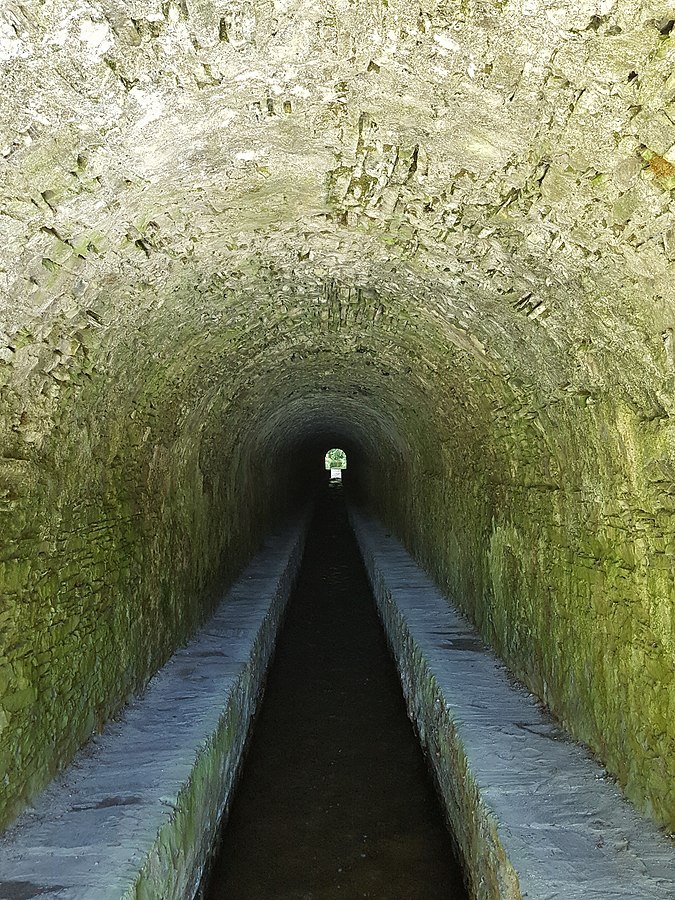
(335, 800)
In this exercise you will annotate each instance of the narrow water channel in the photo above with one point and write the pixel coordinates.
(335, 800)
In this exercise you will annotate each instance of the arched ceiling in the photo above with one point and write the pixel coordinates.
(501, 171)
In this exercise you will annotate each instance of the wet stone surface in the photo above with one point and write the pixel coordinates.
(443, 231)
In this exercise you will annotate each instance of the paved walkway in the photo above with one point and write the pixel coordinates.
(135, 814)
(534, 814)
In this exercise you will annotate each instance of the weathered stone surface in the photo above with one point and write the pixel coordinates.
(136, 816)
(532, 813)
(439, 235)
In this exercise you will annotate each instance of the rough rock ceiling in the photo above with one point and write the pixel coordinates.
(502, 171)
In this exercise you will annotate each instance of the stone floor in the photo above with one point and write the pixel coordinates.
(533, 814)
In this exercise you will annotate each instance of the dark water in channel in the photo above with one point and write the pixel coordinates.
(335, 800)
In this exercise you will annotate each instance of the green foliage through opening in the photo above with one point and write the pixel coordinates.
(336, 459)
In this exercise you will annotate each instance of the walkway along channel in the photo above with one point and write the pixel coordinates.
(136, 815)
(337, 804)
(335, 799)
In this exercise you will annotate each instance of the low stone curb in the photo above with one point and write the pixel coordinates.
(533, 814)
(136, 814)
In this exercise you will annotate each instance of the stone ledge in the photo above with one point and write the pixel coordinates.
(532, 812)
(136, 814)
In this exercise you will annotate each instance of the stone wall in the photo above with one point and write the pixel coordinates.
(568, 578)
(236, 234)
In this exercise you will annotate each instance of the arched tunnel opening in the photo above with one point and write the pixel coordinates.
(335, 462)
(440, 237)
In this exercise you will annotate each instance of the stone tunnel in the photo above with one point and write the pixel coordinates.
(439, 235)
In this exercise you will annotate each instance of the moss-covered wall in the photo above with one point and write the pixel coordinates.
(117, 529)
(440, 236)
(568, 576)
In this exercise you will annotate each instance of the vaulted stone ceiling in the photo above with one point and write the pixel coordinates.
(440, 233)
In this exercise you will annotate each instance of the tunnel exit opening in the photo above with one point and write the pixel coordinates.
(335, 461)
